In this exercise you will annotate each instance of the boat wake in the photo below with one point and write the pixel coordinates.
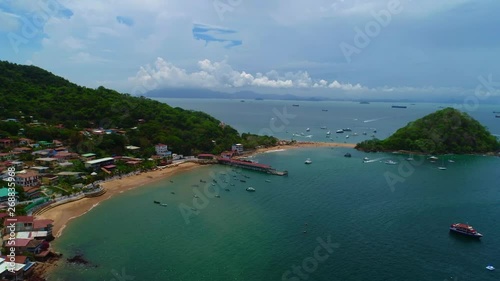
(374, 160)
(373, 120)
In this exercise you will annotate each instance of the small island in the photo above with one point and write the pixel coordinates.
(445, 131)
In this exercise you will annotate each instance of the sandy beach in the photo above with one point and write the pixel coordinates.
(302, 145)
(64, 213)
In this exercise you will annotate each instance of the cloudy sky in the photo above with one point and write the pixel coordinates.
(332, 48)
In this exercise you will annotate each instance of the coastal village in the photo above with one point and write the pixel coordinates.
(47, 174)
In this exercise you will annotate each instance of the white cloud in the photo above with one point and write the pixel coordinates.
(222, 75)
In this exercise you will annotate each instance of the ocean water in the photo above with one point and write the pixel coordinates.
(336, 219)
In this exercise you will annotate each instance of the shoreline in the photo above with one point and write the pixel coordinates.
(64, 214)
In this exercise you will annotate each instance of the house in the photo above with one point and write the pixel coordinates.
(162, 150)
(206, 156)
(44, 153)
(4, 143)
(22, 149)
(57, 143)
(39, 169)
(98, 163)
(16, 267)
(47, 161)
(238, 148)
(32, 192)
(28, 224)
(228, 154)
(29, 178)
(25, 141)
(63, 156)
(88, 156)
(50, 179)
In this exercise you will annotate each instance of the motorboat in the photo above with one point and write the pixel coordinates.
(465, 229)
(451, 161)
(366, 159)
(164, 204)
(250, 189)
(156, 202)
(328, 133)
(347, 129)
(433, 158)
(347, 136)
(308, 161)
(490, 267)
(307, 130)
(442, 168)
(339, 131)
(390, 162)
(347, 154)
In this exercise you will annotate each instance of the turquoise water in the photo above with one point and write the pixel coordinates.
(378, 230)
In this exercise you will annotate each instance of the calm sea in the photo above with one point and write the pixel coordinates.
(336, 219)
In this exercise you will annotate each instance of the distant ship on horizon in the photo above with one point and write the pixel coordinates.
(399, 106)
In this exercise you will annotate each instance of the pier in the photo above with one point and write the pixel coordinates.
(251, 166)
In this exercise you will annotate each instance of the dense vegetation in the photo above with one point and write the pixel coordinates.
(444, 131)
(49, 107)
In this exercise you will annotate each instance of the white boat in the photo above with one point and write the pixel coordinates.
(433, 158)
(490, 267)
(451, 161)
(390, 162)
(366, 159)
(410, 158)
(251, 189)
(328, 133)
(308, 161)
(307, 130)
(340, 131)
(347, 136)
(164, 204)
(323, 128)
(355, 134)
(442, 168)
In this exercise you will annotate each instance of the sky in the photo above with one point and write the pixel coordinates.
(335, 48)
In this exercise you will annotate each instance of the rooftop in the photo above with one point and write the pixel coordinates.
(97, 161)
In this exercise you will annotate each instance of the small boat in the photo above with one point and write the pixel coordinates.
(339, 131)
(243, 180)
(202, 181)
(328, 133)
(268, 180)
(164, 204)
(465, 229)
(347, 154)
(347, 136)
(156, 202)
(490, 267)
(227, 189)
(195, 196)
(442, 168)
(250, 189)
(232, 184)
(323, 128)
(347, 129)
(355, 134)
(295, 105)
(307, 130)
(217, 196)
(366, 159)
(390, 162)
(433, 158)
(399, 106)
(308, 161)
(451, 161)
(324, 110)
(364, 133)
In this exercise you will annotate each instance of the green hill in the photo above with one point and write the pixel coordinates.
(444, 131)
(30, 94)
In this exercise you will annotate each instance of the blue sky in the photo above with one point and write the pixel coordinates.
(337, 48)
